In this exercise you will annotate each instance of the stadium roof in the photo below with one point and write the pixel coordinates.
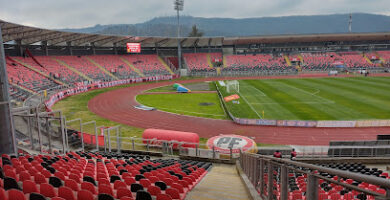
(31, 35)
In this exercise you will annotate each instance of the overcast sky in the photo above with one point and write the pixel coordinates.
(84, 13)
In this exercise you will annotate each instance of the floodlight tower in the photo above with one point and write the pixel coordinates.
(350, 23)
(179, 6)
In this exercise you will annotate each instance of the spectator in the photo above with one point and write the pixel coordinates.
(293, 154)
(277, 154)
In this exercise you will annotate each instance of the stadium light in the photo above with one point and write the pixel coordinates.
(178, 6)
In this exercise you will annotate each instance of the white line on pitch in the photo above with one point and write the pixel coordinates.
(311, 94)
(257, 103)
(262, 93)
(249, 104)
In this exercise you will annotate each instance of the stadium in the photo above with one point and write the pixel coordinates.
(95, 116)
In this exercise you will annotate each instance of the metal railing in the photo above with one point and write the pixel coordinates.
(274, 178)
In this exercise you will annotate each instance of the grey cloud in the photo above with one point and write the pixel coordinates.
(82, 13)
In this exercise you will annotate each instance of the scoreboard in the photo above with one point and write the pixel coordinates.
(133, 47)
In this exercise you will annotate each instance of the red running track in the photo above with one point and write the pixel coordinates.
(117, 105)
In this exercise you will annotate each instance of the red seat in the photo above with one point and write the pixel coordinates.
(47, 190)
(335, 196)
(123, 192)
(163, 197)
(104, 181)
(29, 187)
(60, 175)
(66, 193)
(183, 183)
(14, 194)
(74, 177)
(153, 179)
(72, 185)
(168, 181)
(88, 186)
(46, 173)
(174, 178)
(106, 189)
(11, 173)
(84, 195)
(173, 192)
(178, 187)
(154, 190)
(129, 180)
(119, 184)
(39, 178)
(145, 183)
(23, 176)
(126, 198)
(3, 194)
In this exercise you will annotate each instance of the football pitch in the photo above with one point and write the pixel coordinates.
(312, 98)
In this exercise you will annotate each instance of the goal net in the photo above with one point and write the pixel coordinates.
(232, 86)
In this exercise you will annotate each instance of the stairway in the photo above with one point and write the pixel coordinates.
(287, 59)
(222, 182)
(23, 88)
(165, 65)
(367, 59)
(101, 68)
(301, 59)
(38, 71)
(381, 59)
(224, 62)
(133, 68)
(209, 61)
(218, 71)
(72, 69)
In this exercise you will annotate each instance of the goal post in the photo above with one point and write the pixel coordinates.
(232, 86)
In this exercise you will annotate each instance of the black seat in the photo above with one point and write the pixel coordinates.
(113, 178)
(55, 181)
(1, 173)
(135, 187)
(178, 176)
(51, 169)
(36, 196)
(143, 195)
(161, 185)
(89, 179)
(105, 197)
(139, 177)
(10, 183)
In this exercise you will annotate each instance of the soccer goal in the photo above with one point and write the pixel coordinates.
(232, 86)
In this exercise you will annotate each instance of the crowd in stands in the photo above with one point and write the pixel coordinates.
(101, 176)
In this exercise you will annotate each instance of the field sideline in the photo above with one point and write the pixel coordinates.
(313, 99)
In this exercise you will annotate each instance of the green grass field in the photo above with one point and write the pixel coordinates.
(313, 98)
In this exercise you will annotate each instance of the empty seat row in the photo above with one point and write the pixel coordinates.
(97, 175)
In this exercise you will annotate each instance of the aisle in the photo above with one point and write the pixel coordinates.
(222, 182)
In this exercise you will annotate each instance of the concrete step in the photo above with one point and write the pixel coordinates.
(222, 182)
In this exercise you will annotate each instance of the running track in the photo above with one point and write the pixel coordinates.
(117, 105)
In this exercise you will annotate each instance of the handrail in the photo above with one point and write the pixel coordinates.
(254, 167)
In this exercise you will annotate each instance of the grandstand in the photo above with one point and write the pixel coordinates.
(46, 155)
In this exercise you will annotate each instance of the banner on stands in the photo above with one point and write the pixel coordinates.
(296, 123)
(336, 124)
